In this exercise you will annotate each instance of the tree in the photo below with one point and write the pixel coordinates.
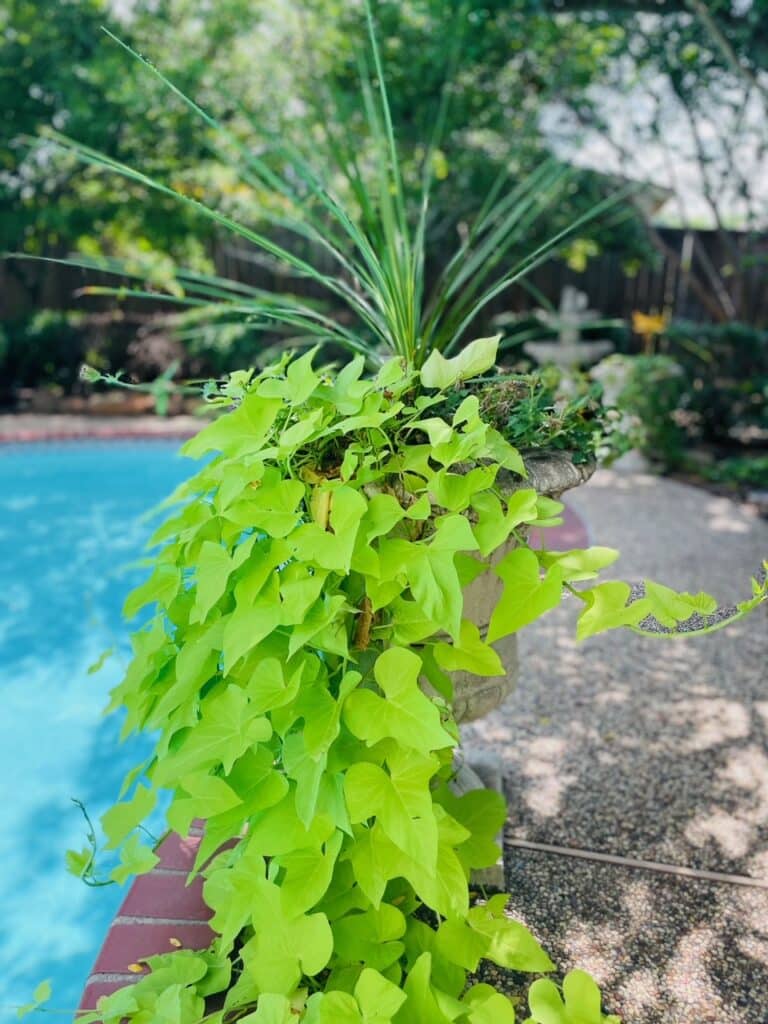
(60, 71)
(683, 102)
(259, 71)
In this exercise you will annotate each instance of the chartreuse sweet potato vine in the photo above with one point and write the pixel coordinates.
(307, 585)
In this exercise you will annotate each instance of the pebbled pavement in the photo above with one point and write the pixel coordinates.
(652, 749)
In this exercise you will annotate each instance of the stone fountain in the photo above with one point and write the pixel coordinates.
(568, 352)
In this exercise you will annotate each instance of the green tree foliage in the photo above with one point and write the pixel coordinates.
(496, 65)
(683, 102)
(262, 73)
(59, 70)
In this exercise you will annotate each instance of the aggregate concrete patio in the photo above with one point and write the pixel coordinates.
(650, 750)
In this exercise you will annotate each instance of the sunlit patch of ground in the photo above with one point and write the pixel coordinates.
(649, 749)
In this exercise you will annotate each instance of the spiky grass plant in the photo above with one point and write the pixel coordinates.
(373, 231)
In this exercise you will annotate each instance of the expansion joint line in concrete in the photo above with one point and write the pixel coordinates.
(642, 865)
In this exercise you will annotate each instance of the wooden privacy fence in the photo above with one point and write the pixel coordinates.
(610, 289)
(663, 285)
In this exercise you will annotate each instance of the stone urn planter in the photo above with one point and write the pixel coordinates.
(550, 474)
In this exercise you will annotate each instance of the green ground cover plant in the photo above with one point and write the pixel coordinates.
(676, 404)
(307, 610)
(739, 471)
(650, 389)
(47, 346)
(724, 372)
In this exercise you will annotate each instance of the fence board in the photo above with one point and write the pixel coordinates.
(609, 288)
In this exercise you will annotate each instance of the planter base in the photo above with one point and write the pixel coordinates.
(484, 771)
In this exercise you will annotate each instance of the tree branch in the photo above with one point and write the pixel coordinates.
(718, 37)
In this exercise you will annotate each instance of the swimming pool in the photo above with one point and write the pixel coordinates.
(70, 522)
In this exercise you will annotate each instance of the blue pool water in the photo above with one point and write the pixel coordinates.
(70, 522)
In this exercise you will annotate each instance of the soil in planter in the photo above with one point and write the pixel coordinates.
(526, 410)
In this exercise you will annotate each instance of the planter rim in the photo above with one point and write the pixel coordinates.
(549, 472)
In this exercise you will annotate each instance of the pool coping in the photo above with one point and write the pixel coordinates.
(25, 437)
(24, 428)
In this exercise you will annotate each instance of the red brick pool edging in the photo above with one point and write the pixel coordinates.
(31, 428)
(160, 913)
(38, 437)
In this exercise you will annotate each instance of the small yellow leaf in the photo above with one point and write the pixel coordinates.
(136, 968)
(321, 504)
(311, 476)
(175, 942)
